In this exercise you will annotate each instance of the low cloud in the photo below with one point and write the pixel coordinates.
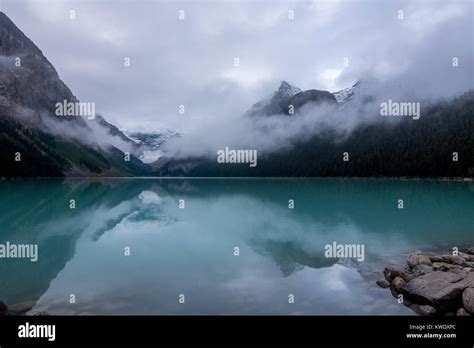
(190, 62)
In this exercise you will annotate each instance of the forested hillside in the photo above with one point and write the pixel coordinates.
(392, 147)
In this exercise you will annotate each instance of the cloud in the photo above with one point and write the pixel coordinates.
(190, 62)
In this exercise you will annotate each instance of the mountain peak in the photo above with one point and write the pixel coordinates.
(287, 90)
(284, 84)
(29, 93)
(287, 95)
(346, 94)
(41, 88)
(13, 40)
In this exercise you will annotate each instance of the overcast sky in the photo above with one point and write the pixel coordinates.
(191, 61)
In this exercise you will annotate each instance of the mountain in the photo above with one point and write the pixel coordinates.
(312, 96)
(278, 103)
(149, 143)
(51, 145)
(288, 96)
(36, 142)
(346, 94)
(358, 93)
(385, 147)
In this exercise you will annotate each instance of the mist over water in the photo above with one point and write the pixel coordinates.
(190, 251)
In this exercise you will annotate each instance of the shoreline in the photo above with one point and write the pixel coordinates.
(434, 285)
(341, 178)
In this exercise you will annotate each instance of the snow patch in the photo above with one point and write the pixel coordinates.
(149, 197)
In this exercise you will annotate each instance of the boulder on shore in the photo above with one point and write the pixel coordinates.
(418, 259)
(426, 310)
(441, 290)
(420, 270)
(468, 299)
(383, 283)
(433, 285)
(397, 283)
(462, 313)
(455, 260)
(391, 272)
(445, 267)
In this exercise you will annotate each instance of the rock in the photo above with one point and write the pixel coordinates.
(433, 285)
(418, 259)
(467, 257)
(411, 273)
(397, 283)
(460, 270)
(469, 280)
(471, 250)
(455, 260)
(468, 299)
(427, 310)
(436, 259)
(383, 283)
(442, 290)
(390, 272)
(422, 269)
(445, 267)
(462, 313)
(419, 270)
(442, 266)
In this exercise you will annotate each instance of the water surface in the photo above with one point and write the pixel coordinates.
(191, 251)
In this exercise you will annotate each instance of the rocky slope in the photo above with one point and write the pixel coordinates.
(50, 145)
(288, 95)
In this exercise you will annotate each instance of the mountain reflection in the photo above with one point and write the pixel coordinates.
(175, 248)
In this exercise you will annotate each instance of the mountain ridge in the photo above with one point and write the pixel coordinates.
(288, 99)
(384, 148)
(30, 87)
(35, 142)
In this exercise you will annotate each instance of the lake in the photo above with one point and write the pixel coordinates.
(220, 246)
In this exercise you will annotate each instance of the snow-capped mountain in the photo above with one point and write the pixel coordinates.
(362, 91)
(149, 143)
(346, 94)
(278, 103)
(287, 95)
(286, 91)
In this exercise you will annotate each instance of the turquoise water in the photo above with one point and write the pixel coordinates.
(191, 251)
